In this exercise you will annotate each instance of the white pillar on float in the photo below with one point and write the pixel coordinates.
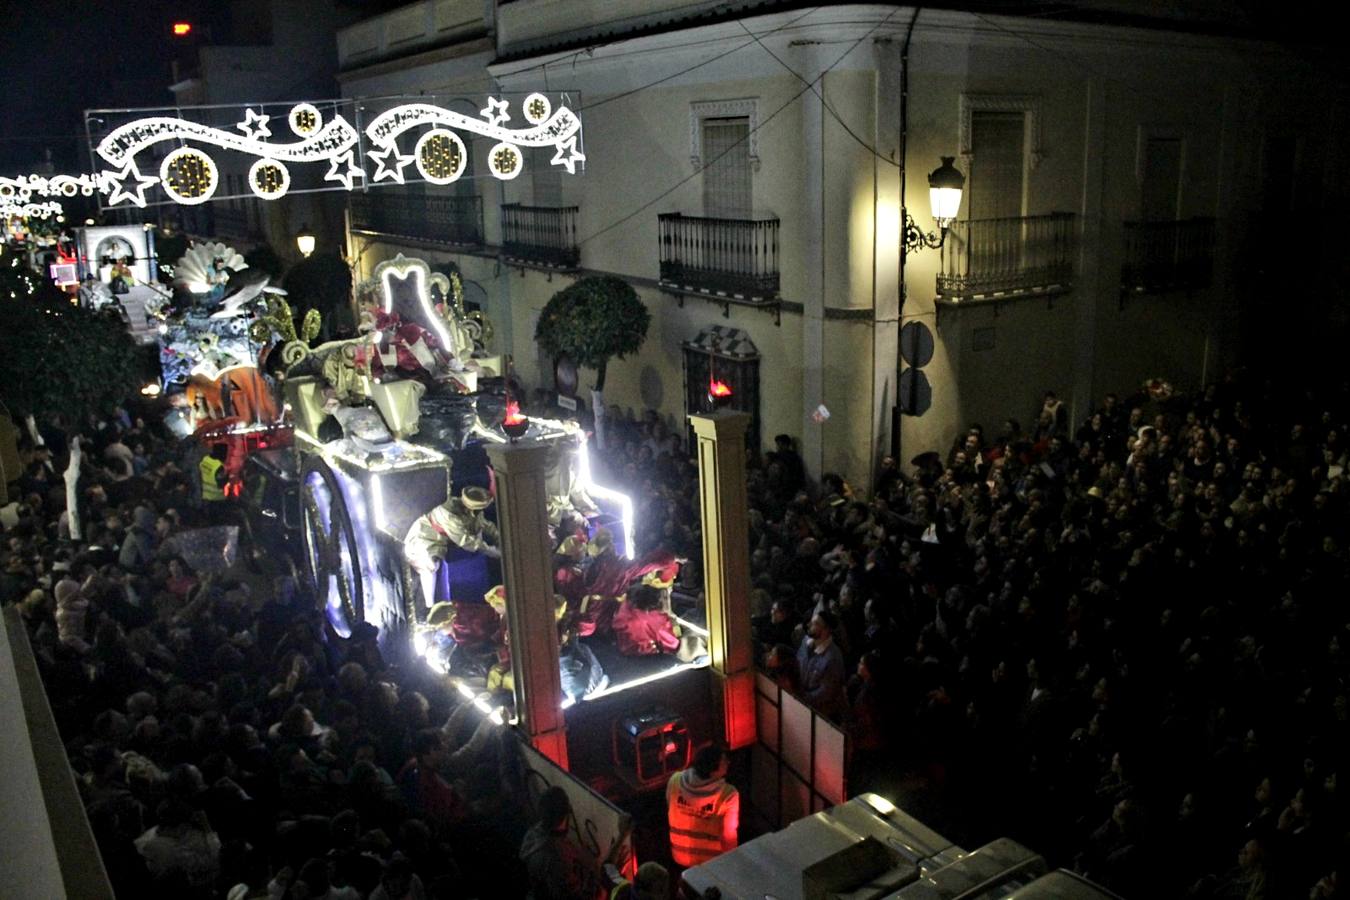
(726, 569)
(528, 576)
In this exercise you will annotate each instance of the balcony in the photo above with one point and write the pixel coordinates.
(1167, 256)
(729, 259)
(996, 259)
(444, 221)
(540, 235)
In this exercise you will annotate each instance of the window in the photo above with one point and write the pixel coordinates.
(1162, 179)
(546, 181)
(997, 165)
(726, 176)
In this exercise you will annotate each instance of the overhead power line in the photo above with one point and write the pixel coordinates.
(793, 99)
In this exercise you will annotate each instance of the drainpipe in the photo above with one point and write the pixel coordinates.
(904, 160)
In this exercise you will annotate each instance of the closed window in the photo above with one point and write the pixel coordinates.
(997, 168)
(547, 184)
(726, 173)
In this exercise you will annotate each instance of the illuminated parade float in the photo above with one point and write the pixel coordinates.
(427, 507)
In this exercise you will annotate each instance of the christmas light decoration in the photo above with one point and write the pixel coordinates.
(440, 156)
(536, 108)
(305, 119)
(190, 175)
(383, 167)
(10, 209)
(26, 186)
(495, 111)
(504, 161)
(269, 179)
(344, 176)
(559, 129)
(255, 125)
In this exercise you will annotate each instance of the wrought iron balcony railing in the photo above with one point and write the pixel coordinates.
(989, 259)
(542, 235)
(731, 258)
(1167, 256)
(455, 221)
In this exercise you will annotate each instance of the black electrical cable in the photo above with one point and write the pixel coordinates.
(828, 108)
(793, 99)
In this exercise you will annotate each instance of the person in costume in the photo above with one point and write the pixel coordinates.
(608, 577)
(459, 522)
(642, 627)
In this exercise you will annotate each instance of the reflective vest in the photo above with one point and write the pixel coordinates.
(209, 467)
(699, 815)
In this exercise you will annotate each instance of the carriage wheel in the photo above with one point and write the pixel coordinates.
(332, 556)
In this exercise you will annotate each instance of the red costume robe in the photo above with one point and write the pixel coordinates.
(644, 632)
(609, 577)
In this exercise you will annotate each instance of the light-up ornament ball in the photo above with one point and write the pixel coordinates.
(269, 179)
(304, 119)
(189, 176)
(505, 162)
(536, 108)
(441, 156)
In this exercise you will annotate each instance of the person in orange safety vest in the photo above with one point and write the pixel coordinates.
(703, 810)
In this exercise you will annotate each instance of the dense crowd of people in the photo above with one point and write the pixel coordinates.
(1118, 642)
(226, 741)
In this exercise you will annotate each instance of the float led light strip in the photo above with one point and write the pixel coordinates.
(645, 679)
(496, 715)
(599, 491)
(696, 629)
(425, 456)
(403, 268)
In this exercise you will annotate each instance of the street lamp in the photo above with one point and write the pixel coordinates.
(945, 185)
(304, 241)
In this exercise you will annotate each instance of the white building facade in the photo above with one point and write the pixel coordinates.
(744, 170)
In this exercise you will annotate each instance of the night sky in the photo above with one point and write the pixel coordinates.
(60, 59)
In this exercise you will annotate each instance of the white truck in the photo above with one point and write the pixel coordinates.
(869, 849)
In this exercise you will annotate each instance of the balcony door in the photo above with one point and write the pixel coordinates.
(726, 176)
(997, 166)
(996, 249)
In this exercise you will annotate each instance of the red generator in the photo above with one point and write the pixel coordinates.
(650, 746)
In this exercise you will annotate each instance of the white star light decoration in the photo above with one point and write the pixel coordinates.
(331, 140)
(573, 156)
(384, 169)
(141, 183)
(346, 177)
(254, 126)
(495, 112)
